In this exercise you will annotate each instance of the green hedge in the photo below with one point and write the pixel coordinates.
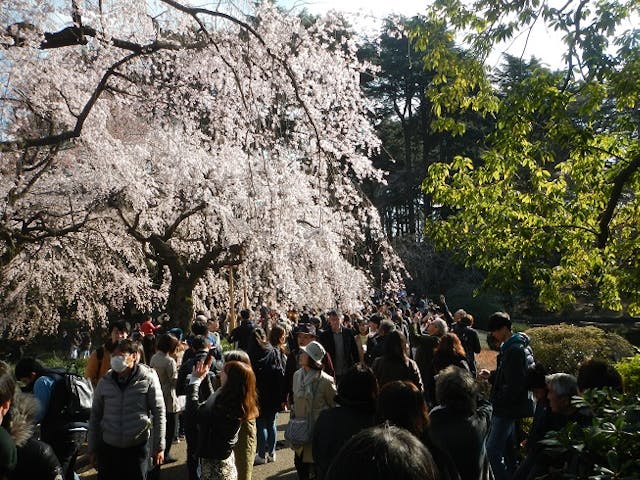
(562, 347)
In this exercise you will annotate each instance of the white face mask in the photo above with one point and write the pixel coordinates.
(118, 364)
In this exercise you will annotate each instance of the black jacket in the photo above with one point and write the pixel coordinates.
(375, 348)
(186, 368)
(462, 437)
(425, 346)
(36, 459)
(470, 342)
(350, 346)
(242, 334)
(509, 393)
(217, 430)
(334, 427)
(269, 367)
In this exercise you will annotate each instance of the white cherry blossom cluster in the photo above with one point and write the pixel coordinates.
(258, 127)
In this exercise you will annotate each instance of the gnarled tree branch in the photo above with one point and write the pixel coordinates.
(614, 197)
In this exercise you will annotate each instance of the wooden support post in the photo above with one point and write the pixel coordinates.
(245, 293)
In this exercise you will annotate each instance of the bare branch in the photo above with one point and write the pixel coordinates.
(77, 130)
(170, 231)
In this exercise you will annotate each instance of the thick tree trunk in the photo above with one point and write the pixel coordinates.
(180, 304)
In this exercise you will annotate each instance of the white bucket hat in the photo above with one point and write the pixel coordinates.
(315, 351)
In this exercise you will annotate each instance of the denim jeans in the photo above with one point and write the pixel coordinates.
(499, 441)
(266, 426)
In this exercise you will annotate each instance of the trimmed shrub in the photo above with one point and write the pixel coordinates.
(562, 347)
(629, 368)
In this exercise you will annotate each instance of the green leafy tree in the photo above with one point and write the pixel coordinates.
(552, 199)
(415, 134)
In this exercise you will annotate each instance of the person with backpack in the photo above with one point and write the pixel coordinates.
(128, 409)
(62, 429)
(99, 361)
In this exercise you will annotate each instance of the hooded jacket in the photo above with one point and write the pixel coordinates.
(509, 393)
(36, 459)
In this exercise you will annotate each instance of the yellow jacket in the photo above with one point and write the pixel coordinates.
(95, 369)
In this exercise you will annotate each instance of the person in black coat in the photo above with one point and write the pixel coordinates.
(469, 339)
(36, 459)
(375, 344)
(356, 399)
(509, 392)
(200, 353)
(340, 344)
(459, 424)
(241, 335)
(220, 416)
(268, 364)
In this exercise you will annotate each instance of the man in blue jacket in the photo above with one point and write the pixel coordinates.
(510, 396)
(65, 435)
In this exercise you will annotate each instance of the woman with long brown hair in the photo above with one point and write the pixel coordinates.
(395, 364)
(449, 352)
(220, 416)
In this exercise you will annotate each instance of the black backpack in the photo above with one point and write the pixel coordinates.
(71, 397)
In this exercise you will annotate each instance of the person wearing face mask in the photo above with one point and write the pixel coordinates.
(128, 407)
(99, 361)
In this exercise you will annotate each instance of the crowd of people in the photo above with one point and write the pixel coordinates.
(391, 392)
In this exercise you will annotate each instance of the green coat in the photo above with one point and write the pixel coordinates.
(245, 450)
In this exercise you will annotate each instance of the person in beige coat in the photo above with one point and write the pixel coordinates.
(313, 392)
(164, 364)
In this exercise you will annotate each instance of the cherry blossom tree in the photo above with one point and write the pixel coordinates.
(172, 141)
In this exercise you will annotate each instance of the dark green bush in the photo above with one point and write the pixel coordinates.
(562, 347)
(608, 448)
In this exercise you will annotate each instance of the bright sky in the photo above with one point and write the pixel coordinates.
(366, 16)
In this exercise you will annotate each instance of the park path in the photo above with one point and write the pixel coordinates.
(281, 469)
